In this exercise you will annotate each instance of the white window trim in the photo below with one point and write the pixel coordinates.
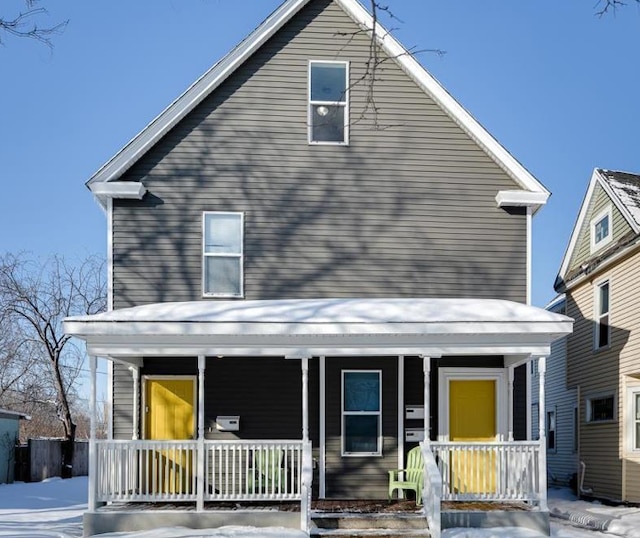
(205, 255)
(630, 422)
(553, 410)
(310, 105)
(597, 316)
(143, 411)
(446, 375)
(595, 220)
(344, 413)
(599, 396)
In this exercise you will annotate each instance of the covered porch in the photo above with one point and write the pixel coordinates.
(322, 333)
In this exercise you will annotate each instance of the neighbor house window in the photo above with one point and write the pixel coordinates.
(602, 327)
(601, 408)
(551, 430)
(361, 413)
(634, 418)
(222, 254)
(601, 232)
(328, 102)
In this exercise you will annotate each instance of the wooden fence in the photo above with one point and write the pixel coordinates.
(42, 458)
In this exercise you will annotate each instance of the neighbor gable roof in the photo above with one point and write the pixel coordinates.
(136, 148)
(623, 188)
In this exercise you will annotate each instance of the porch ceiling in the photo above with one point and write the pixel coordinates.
(297, 328)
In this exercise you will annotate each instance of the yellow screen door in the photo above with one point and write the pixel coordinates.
(472, 418)
(170, 417)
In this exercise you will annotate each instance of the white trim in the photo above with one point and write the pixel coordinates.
(521, 199)
(529, 253)
(401, 411)
(529, 398)
(206, 255)
(600, 396)
(346, 105)
(126, 190)
(323, 428)
(110, 384)
(630, 423)
(446, 375)
(153, 132)
(605, 213)
(145, 378)
(343, 413)
(597, 316)
(620, 205)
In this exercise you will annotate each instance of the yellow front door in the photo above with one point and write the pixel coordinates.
(170, 417)
(472, 418)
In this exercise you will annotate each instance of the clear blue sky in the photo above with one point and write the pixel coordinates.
(555, 84)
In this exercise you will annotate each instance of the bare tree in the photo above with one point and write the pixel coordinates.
(34, 300)
(605, 6)
(26, 24)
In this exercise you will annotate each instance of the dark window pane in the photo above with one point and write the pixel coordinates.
(602, 229)
(604, 298)
(361, 391)
(328, 82)
(327, 123)
(602, 409)
(603, 331)
(361, 433)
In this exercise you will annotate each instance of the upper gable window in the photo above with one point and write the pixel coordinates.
(223, 257)
(601, 229)
(328, 103)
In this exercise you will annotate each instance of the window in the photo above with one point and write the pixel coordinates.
(601, 233)
(602, 331)
(361, 413)
(601, 408)
(551, 430)
(328, 102)
(634, 418)
(222, 265)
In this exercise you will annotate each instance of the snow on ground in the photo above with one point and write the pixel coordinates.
(53, 509)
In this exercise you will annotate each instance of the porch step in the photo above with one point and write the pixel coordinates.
(391, 525)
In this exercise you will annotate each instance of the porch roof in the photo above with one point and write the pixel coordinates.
(316, 327)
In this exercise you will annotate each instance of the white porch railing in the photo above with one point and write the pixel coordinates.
(432, 491)
(500, 471)
(166, 471)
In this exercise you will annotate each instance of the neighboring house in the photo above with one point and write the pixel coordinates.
(9, 435)
(299, 298)
(599, 276)
(561, 409)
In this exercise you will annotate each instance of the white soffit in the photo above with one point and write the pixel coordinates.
(521, 199)
(197, 92)
(131, 190)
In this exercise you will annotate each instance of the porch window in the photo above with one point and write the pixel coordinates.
(601, 408)
(223, 256)
(602, 326)
(328, 102)
(551, 430)
(361, 413)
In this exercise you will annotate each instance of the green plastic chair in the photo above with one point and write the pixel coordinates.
(267, 474)
(410, 478)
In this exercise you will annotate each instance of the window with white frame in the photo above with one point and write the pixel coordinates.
(328, 102)
(602, 326)
(551, 429)
(223, 257)
(601, 408)
(361, 412)
(634, 418)
(601, 229)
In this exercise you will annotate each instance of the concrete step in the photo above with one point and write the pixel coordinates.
(371, 533)
(381, 525)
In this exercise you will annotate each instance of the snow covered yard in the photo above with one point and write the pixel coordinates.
(53, 509)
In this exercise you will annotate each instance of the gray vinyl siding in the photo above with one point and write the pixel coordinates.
(562, 462)
(408, 210)
(360, 477)
(600, 200)
(122, 402)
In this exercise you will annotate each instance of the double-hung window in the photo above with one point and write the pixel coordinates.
(634, 418)
(223, 257)
(551, 430)
(601, 232)
(602, 325)
(601, 408)
(361, 412)
(328, 102)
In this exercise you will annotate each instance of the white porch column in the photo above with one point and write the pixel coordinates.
(200, 453)
(305, 399)
(135, 373)
(426, 368)
(511, 375)
(93, 449)
(542, 413)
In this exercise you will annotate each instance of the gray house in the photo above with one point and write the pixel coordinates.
(299, 296)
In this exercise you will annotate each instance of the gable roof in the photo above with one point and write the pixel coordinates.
(137, 147)
(623, 188)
